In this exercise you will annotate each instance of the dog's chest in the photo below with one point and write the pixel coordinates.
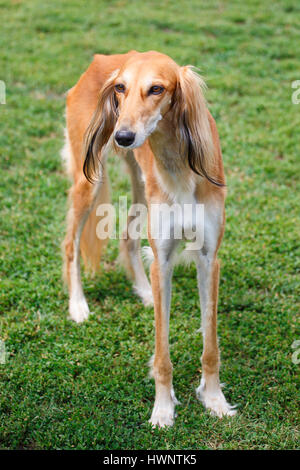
(190, 218)
(181, 217)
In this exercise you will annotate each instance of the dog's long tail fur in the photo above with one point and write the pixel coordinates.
(91, 246)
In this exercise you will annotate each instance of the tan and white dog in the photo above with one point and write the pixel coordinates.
(152, 112)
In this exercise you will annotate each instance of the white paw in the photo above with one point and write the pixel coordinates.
(215, 402)
(162, 416)
(78, 309)
(145, 294)
(147, 299)
(163, 413)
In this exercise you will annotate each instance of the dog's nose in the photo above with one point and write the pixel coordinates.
(125, 138)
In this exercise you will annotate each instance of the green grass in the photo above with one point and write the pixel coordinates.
(86, 386)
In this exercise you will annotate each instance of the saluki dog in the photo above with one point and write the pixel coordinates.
(153, 113)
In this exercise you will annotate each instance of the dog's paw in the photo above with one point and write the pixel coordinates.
(79, 310)
(162, 416)
(147, 298)
(145, 295)
(215, 402)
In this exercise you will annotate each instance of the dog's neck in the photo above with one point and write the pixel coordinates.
(170, 165)
(165, 146)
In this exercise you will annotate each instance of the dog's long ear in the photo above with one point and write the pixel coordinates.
(192, 124)
(100, 129)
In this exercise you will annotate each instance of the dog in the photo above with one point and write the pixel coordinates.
(153, 113)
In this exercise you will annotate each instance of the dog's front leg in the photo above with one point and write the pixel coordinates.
(209, 391)
(161, 277)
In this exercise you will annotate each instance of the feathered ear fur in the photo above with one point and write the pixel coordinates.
(192, 124)
(100, 128)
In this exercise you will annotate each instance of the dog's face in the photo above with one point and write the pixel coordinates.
(143, 91)
(137, 96)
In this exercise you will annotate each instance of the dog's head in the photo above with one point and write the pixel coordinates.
(136, 97)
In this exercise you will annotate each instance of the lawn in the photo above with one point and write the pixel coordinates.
(69, 386)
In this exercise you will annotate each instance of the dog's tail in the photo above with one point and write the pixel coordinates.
(91, 244)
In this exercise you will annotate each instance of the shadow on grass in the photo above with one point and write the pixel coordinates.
(110, 284)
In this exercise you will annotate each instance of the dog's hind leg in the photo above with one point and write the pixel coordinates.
(81, 200)
(81, 238)
(130, 245)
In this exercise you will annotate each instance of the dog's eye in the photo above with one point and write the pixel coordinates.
(120, 88)
(156, 90)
